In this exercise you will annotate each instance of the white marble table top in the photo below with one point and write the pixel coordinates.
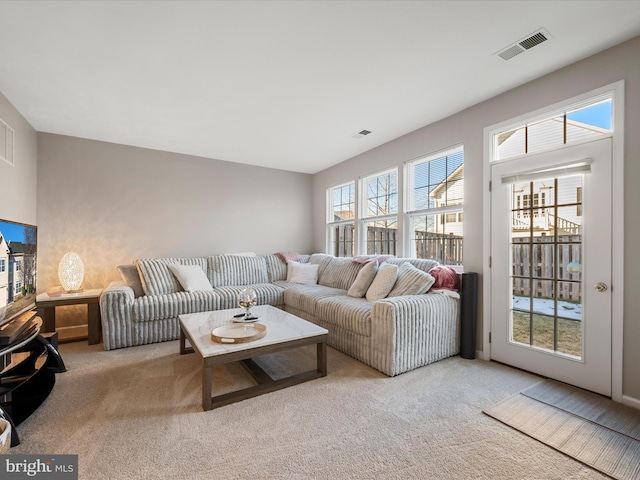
(62, 295)
(281, 327)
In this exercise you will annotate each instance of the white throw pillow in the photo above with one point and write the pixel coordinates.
(191, 277)
(305, 273)
(383, 283)
(411, 281)
(363, 280)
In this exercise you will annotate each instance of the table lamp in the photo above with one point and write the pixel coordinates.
(71, 272)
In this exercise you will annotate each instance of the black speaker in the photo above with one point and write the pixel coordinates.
(468, 314)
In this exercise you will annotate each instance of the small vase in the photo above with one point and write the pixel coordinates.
(247, 298)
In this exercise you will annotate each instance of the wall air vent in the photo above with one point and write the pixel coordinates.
(524, 44)
(361, 133)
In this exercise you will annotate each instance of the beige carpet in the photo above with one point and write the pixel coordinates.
(590, 428)
(136, 413)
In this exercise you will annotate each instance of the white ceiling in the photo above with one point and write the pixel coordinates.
(282, 84)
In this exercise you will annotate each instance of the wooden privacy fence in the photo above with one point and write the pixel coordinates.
(536, 262)
(343, 240)
(445, 248)
(381, 241)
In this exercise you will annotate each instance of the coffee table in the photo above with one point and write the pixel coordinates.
(284, 331)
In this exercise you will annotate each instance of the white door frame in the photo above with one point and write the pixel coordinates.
(617, 258)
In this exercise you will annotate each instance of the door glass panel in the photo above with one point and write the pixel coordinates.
(569, 337)
(570, 300)
(543, 332)
(546, 264)
(521, 327)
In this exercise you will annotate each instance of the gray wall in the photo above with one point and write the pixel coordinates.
(114, 203)
(619, 63)
(18, 182)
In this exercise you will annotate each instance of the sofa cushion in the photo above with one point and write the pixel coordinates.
(320, 259)
(411, 281)
(233, 270)
(156, 277)
(422, 263)
(191, 277)
(305, 297)
(383, 283)
(276, 268)
(161, 307)
(363, 280)
(353, 314)
(267, 294)
(339, 273)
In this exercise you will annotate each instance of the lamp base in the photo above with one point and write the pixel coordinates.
(73, 291)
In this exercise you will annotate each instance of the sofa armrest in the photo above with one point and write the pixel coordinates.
(119, 289)
(116, 305)
(412, 331)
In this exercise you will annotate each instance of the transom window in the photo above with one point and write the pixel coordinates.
(573, 124)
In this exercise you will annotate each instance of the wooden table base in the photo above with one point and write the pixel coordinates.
(265, 383)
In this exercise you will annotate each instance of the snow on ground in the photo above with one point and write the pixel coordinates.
(545, 306)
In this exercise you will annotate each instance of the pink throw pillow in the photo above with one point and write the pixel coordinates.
(446, 278)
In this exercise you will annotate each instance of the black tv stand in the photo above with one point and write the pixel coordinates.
(29, 364)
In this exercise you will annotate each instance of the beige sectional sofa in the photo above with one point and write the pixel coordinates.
(393, 334)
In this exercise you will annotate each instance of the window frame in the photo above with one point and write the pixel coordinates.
(439, 213)
(363, 219)
(546, 115)
(332, 224)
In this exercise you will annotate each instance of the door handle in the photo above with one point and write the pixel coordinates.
(600, 287)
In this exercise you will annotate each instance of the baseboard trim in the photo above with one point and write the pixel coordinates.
(480, 355)
(631, 402)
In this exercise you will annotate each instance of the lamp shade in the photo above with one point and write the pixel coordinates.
(71, 272)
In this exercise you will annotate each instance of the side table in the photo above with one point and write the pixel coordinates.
(47, 304)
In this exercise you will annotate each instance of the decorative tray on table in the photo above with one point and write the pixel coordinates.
(238, 333)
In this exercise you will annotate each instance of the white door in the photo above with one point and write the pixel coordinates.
(551, 264)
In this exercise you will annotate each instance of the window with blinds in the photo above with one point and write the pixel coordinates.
(435, 206)
(340, 224)
(6, 142)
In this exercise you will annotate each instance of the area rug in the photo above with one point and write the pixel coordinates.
(592, 429)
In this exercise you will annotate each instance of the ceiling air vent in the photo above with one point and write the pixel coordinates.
(523, 45)
(361, 133)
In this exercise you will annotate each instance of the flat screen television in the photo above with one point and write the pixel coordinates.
(18, 255)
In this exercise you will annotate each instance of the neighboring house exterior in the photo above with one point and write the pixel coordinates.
(449, 192)
(17, 270)
(542, 136)
(4, 272)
